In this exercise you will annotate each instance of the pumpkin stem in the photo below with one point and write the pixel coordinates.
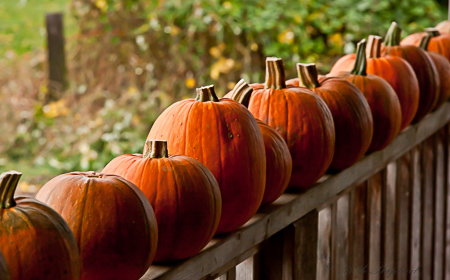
(432, 31)
(93, 174)
(307, 75)
(425, 41)
(373, 49)
(241, 93)
(360, 62)
(206, 93)
(393, 35)
(8, 185)
(155, 149)
(275, 77)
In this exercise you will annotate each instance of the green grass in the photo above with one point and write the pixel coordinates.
(22, 24)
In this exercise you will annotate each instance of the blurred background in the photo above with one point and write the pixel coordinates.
(127, 60)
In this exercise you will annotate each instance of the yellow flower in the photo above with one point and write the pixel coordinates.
(190, 82)
(286, 37)
(55, 109)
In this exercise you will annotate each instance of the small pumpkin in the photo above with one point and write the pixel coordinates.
(112, 221)
(439, 43)
(443, 68)
(350, 110)
(395, 70)
(278, 158)
(423, 66)
(383, 101)
(35, 241)
(4, 270)
(224, 136)
(444, 26)
(183, 192)
(303, 120)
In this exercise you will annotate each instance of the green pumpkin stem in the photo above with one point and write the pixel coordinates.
(275, 77)
(8, 185)
(241, 93)
(425, 41)
(393, 35)
(373, 49)
(432, 31)
(206, 93)
(155, 149)
(307, 75)
(360, 62)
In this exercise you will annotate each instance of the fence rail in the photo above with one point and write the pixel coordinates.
(390, 211)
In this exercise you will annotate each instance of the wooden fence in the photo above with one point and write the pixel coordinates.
(386, 217)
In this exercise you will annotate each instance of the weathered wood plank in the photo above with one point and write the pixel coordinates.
(373, 224)
(244, 270)
(340, 241)
(292, 206)
(306, 244)
(447, 202)
(324, 265)
(389, 221)
(428, 169)
(416, 212)
(439, 208)
(358, 253)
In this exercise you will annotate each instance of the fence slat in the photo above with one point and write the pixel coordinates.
(416, 211)
(324, 265)
(358, 252)
(447, 196)
(340, 242)
(389, 215)
(244, 270)
(439, 226)
(373, 224)
(306, 239)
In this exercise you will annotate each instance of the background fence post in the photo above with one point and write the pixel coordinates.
(56, 55)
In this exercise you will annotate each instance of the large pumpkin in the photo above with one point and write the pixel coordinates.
(444, 26)
(350, 110)
(395, 70)
(303, 120)
(383, 101)
(225, 137)
(439, 43)
(278, 158)
(34, 240)
(4, 271)
(443, 68)
(423, 66)
(183, 192)
(112, 221)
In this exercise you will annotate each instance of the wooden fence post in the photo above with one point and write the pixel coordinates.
(56, 55)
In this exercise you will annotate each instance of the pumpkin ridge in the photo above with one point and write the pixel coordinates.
(177, 183)
(80, 230)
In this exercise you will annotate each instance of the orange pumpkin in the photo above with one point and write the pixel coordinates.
(225, 137)
(444, 26)
(35, 241)
(383, 101)
(278, 158)
(303, 120)
(423, 66)
(395, 70)
(112, 221)
(439, 43)
(183, 192)
(4, 271)
(350, 110)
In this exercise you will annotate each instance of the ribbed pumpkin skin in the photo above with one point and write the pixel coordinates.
(36, 242)
(398, 73)
(112, 220)
(439, 44)
(278, 163)
(225, 137)
(351, 115)
(385, 107)
(443, 68)
(444, 27)
(426, 74)
(4, 271)
(304, 121)
(185, 197)
(343, 64)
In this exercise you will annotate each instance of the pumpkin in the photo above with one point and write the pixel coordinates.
(423, 66)
(4, 271)
(395, 70)
(112, 221)
(439, 43)
(383, 101)
(444, 26)
(183, 192)
(443, 68)
(303, 120)
(35, 241)
(350, 110)
(278, 158)
(225, 137)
